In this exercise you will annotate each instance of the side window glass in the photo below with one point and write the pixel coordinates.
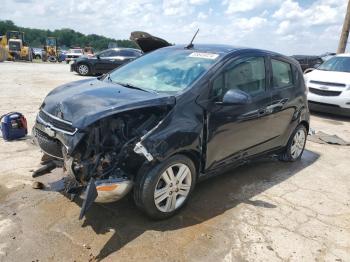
(218, 87)
(281, 74)
(246, 74)
(105, 54)
(115, 53)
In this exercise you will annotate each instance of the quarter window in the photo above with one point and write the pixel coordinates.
(246, 74)
(282, 74)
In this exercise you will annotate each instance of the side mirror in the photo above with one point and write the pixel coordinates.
(236, 97)
(98, 57)
(101, 77)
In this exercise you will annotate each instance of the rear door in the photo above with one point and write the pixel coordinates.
(237, 131)
(285, 97)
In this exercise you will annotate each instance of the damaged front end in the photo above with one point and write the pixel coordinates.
(100, 161)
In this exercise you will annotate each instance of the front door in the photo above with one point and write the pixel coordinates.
(236, 131)
(106, 61)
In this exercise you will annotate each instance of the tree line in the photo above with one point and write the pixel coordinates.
(66, 37)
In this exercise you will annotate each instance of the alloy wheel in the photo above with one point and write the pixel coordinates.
(83, 69)
(298, 143)
(173, 187)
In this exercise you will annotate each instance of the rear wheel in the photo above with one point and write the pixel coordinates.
(83, 70)
(295, 146)
(162, 191)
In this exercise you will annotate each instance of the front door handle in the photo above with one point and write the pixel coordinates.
(277, 104)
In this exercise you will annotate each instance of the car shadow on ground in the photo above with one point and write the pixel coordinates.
(210, 198)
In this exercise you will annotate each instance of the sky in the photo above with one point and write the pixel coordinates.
(286, 26)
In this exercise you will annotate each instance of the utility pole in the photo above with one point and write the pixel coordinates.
(345, 32)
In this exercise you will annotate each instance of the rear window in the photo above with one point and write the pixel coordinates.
(282, 74)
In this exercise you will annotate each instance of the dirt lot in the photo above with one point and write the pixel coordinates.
(266, 211)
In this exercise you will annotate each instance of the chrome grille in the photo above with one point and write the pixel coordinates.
(58, 124)
(324, 92)
(327, 83)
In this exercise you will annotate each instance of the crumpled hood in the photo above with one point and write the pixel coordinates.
(86, 101)
(329, 76)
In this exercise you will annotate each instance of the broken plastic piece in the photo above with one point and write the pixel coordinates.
(44, 169)
(91, 195)
(324, 138)
(141, 150)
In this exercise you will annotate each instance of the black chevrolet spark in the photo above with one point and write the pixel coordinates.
(161, 123)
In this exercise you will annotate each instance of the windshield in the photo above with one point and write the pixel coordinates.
(340, 64)
(75, 51)
(165, 70)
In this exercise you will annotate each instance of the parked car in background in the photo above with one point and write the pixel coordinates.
(163, 122)
(73, 54)
(104, 61)
(307, 62)
(327, 56)
(37, 53)
(329, 86)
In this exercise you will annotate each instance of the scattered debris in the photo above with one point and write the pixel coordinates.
(38, 185)
(47, 168)
(269, 248)
(86, 246)
(324, 138)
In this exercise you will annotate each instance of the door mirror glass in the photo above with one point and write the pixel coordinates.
(236, 97)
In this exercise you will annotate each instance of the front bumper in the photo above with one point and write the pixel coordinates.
(54, 141)
(329, 98)
(73, 67)
(329, 108)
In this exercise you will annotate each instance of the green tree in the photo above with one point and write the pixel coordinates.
(66, 37)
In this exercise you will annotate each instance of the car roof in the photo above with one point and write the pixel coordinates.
(124, 48)
(305, 56)
(225, 50)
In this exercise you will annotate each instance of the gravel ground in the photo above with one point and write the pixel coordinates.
(266, 211)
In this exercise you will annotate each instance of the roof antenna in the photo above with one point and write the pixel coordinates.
(190, 45)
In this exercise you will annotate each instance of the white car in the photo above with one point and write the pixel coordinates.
(73, 54)
(329, 86)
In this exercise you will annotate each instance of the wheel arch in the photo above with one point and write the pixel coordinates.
(306, 124)
(193, 155)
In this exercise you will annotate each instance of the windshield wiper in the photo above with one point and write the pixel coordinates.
(132, 86)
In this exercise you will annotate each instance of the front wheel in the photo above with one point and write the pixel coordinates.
(295, 146)
(164, 189)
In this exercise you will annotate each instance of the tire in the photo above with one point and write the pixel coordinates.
(172, 195)
(52, 59)
(83, 69)
(296, 145)
(37, 57)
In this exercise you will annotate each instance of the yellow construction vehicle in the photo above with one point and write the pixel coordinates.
(13, 47)
(3, 49)
(50, 51)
